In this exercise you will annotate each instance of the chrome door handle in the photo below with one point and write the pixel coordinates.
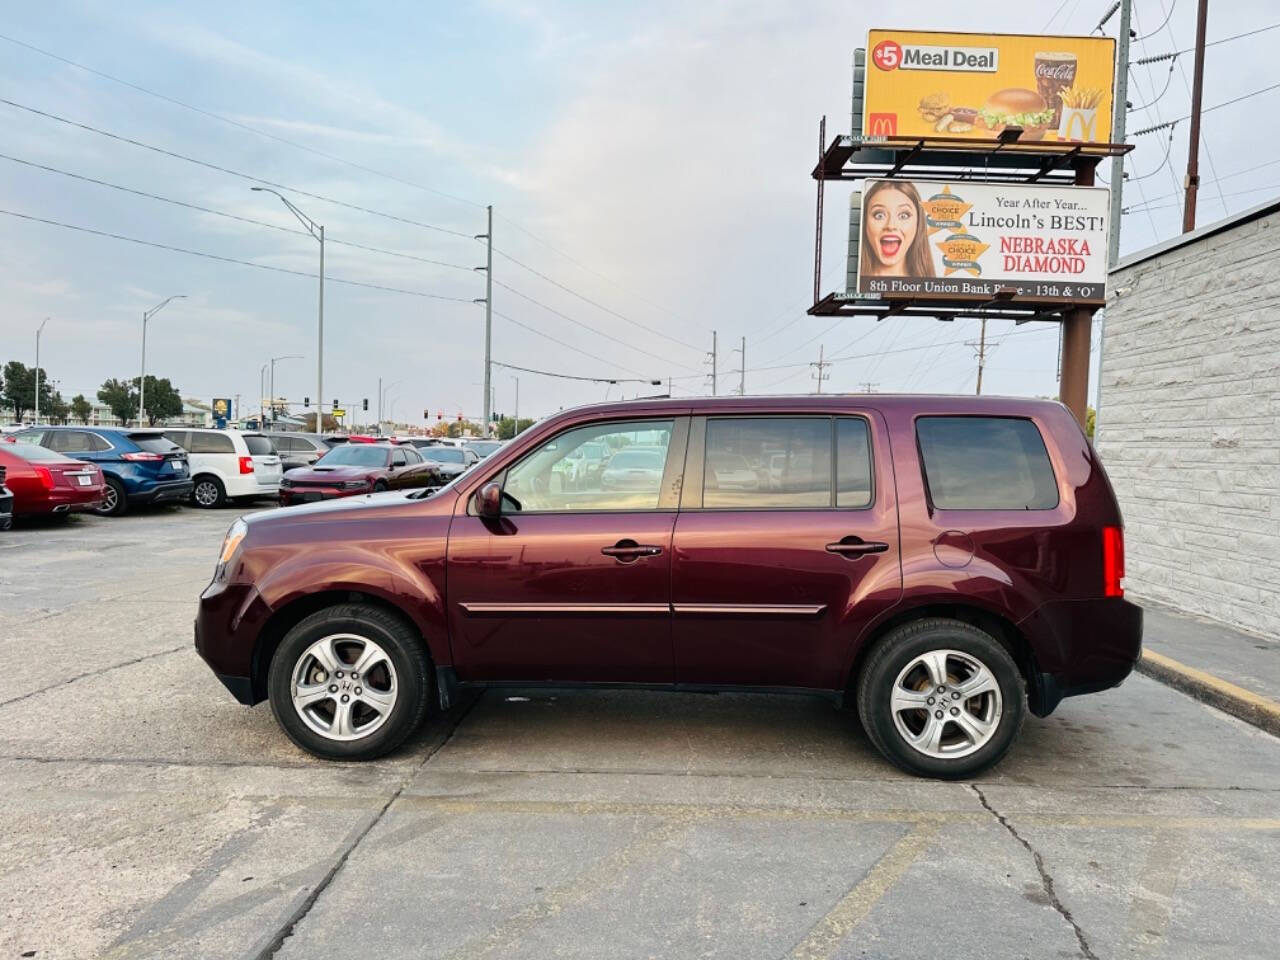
(855, 547)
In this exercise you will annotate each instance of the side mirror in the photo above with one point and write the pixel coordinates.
(489, 501)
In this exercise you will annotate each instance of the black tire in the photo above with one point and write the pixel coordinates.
(404, 648)
(894, 652)
(208, 492)
(114, 501)
(379, 486)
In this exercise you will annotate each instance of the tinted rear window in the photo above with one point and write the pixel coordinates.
(986, 463)
(29, 451)
(259, 445)
(154, 443)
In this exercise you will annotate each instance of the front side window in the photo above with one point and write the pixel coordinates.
(767, 462)
(986, 463)
(626, 474)
(397, 458)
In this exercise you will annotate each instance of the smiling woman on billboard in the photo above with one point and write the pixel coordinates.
(894, 234)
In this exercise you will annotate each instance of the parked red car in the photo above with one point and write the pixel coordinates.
(947, 563)
(43, 481)
(356, 468)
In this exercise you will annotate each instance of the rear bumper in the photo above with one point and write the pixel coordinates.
(163, 492)
(1081, 646)
(229, 619)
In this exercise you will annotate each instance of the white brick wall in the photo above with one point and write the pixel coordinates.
(1189, 426)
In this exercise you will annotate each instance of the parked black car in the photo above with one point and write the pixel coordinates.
(6, 504)
(451, 461)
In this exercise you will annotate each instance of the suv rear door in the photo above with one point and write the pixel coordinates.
(776, 570)
(266, 461)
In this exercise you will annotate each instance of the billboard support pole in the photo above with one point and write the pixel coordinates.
(817, 230)
(1077, 331)
(1193, 152)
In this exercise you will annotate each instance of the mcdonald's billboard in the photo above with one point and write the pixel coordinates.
(967, 240)
(963, 86)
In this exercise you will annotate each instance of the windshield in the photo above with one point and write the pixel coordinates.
(444, 454)
(29, 451)
(355, 455)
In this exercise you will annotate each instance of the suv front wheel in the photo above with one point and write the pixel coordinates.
(941, 698)
(350, 682)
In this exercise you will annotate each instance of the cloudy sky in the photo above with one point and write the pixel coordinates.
(647, 164)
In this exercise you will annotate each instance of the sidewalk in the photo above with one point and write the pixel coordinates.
(1235, 672)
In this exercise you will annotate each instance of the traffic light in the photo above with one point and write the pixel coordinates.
(366, 403)
(335, 404)
(306, 402)
(426, 414)
(459, 418)
(439, 414)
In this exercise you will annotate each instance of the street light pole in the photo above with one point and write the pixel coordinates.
(262, 395)
(142, 381)
(487, 237)
(288, 356)
(39, 330)
(517, 423)
(317, 231)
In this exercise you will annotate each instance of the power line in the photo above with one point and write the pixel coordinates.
(1216, 106)
(229, 216)
(235, 173)
(586, 299)
(222, 259)
(567, 346)
(586, 326)
(1229, 176)
(236, 123)
(1167, 17)
(1212, 43)
(1160, 96)
(571, 376)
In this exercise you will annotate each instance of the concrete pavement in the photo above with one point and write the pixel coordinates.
(151, 816)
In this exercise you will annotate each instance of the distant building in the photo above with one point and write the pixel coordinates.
(1189, 418)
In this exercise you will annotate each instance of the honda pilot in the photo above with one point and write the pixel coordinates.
(946, 565)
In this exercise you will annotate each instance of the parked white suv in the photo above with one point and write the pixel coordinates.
(227, 463)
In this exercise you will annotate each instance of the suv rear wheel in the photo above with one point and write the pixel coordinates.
(114, 501)
(941, 698)
(350, 682)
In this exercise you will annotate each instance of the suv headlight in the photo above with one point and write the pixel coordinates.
(230, 544)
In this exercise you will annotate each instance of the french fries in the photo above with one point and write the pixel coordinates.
(1081, 99)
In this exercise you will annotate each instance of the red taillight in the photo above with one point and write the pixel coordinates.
(45, 476)
(246, 464)
(144, 457)
(1113, 561)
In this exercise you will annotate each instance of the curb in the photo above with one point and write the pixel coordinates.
(1241, 703)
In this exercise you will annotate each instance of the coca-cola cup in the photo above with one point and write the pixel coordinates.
(1055, 72)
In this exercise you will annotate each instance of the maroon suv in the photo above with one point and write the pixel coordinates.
(948, 563)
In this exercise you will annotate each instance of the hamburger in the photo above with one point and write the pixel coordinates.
(1016, 107)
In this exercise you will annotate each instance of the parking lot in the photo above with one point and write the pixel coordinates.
(147, 814)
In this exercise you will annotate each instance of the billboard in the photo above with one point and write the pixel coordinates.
(221, 412)
(967, 240)
(944, 86)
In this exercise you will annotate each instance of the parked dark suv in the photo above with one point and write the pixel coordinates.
(947, 563)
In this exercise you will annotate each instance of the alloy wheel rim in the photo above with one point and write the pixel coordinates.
(109, 499)
(344, 687)
(946, 704)
(206, 494)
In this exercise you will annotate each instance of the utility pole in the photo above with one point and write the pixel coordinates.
(712, 356)
(39, 330)
(262, 396)
(517, 420)
(379, 406)
(742, 371)
(869, 386)
(1119, 116)
(821, 365)
(1193, 150)
(981, 347)
(487, 236)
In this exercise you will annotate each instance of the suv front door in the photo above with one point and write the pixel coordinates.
(568, 584)
(786, 546)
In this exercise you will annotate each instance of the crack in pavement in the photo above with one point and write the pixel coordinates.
(93, 673)
(1046, 881)
(277, 941)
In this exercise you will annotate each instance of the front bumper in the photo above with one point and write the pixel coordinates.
(229, 619)
(1081, 646)
(292, 495)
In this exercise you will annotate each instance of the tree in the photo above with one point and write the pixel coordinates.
(81, 408)
(309, 424)
(122, 400)
(58, 409)
(19, 389)
(163, 401)
(1090, 419)
(508, 428)
(458, 428)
